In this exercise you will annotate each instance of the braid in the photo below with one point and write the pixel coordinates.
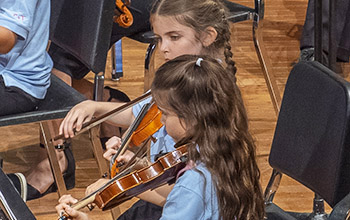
(231, 64)
(226, 35)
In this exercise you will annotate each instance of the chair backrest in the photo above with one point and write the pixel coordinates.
(240, 12)
(312, 140)
(83, 28)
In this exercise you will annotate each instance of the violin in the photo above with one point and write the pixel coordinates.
(145, 125)
(123, 16)
(120, 189)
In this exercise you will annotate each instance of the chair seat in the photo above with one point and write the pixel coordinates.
(60, 98)
(273, 212)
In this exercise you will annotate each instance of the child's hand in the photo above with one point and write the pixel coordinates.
(75, 118)
(95, 186)
(64, 206)
(112, 145)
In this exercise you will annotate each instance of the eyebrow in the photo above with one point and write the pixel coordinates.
(173, 32)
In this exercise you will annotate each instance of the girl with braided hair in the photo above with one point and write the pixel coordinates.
(204, 18)
(180, 27)
(204, 110)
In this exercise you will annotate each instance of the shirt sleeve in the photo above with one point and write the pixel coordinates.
(17, 16)
(137, 107)
(183, 203)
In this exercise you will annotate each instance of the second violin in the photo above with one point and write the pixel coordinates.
(121, 189)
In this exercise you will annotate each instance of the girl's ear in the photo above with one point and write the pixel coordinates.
(209, 36)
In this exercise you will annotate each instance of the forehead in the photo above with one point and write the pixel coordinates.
(168, 24)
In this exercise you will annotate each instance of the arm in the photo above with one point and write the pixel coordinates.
(7, 40)
(157, 196)
(84, 111)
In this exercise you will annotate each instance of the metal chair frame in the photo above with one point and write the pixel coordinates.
(239, 13)
(338, 194)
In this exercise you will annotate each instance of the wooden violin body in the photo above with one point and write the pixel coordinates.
(122, 14)
(153, 176)
(119, 190)
(148, 125)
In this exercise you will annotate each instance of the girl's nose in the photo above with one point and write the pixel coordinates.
(163, 46)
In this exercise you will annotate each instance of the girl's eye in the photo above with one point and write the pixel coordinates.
(174, 37)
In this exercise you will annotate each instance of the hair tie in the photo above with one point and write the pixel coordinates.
(198, 62)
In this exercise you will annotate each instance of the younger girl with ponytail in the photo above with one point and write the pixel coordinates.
(204, 110)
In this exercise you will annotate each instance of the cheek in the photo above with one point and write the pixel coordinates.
(187, 47)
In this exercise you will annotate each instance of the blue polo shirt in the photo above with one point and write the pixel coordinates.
(28, 65)
(164, 142)
(193, 197)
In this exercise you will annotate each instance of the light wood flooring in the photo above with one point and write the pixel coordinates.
(282, 29)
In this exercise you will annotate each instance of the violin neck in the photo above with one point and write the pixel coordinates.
(130, 131)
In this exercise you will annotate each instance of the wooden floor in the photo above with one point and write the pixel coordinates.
(282, 29)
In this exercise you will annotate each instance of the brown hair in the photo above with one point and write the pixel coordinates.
(199, 15)
(210, 104)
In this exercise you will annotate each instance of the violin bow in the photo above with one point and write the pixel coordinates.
(129, 134)
(136, 157)
(98, 120)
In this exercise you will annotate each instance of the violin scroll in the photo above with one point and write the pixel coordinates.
(123, 15)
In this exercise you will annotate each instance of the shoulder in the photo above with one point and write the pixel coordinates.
(18, 16)
(196, 180)
(194, 195)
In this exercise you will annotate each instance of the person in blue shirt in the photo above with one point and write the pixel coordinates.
(24, 63)
(203, 109)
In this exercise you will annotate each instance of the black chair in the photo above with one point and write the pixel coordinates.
(239, 13)
(60, 98)
(83, 28)
(312, 142)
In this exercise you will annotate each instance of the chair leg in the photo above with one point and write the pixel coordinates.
(272, 186)
(117, 61)
(149, 66)
(102, 164)
(98, 86)
(318, 212)
(266, 64)
(47, 131)
(113, 62)
(98, 153)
